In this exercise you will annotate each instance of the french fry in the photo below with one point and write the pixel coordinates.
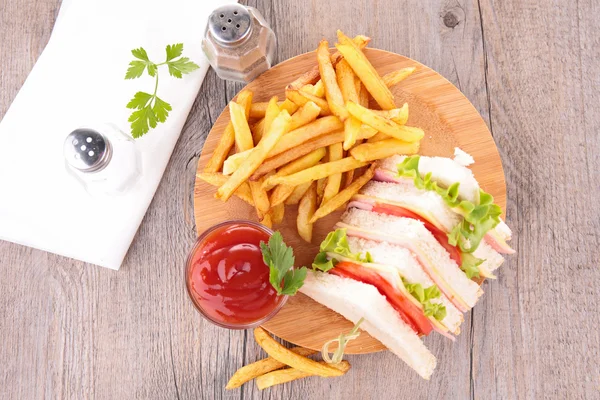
(256, 157)
(307, 132)
(297, 194)
(351, 130)
(318, 172)
(227, 140)
(288, 106)
(365, 71)
(217, 179)
(318, 89)
(277, 161)
(300, 98)
(357, 82)
(383, 149)
(333, 94)
(305, 114)
(291, 374)
(307, 161)
(263, 125)
(363, 96)
(257, 131)
(260, 197)
(321, 183)
(396, 77)
(312, 76)
(294, 139)
(390, 128)
(264, 366)
(306, 209)
(346, 81)
(398, 115)
(379, 136)
(345, 195)
(280, 194)
(270, 115)
(267, 221)
(288, 357)
(366, 132)
(348, 177)
(233, 162)
(277, 213)
(243, 136)
(258, 110)
(332, 187)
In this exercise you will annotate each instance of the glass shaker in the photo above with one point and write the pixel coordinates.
(103, 159)
(238, 43)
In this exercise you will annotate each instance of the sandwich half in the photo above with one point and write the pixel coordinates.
(405, 253)
(355, 300)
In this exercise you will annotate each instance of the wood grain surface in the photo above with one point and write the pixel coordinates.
(71, 330)
(435, 105)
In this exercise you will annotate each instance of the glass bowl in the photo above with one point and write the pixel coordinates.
(189, 264)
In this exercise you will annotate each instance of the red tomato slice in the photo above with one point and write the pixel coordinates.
(437, 233)
(409, 312)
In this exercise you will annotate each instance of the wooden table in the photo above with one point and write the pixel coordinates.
(70, 330)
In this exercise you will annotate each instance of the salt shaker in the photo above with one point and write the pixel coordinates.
(103, 159)
(238, 43)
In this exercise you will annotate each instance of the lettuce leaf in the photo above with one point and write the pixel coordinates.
(322, 263)
(337, 242)
(470, 265)
(478, 218)
(424, 296)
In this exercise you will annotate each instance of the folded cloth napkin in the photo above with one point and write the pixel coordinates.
(79, 80)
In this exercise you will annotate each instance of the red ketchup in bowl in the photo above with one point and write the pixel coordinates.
(227, 278)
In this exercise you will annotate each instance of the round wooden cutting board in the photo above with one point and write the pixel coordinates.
(435, 105)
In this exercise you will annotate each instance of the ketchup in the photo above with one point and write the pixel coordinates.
(227, 277)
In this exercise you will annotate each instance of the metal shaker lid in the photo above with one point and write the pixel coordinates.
(230, 24)
(87, 150)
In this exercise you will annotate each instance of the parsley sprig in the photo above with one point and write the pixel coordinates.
(280, 260)
(149, 108)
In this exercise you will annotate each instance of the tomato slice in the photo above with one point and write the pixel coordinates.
(409, 312)
(437, 233)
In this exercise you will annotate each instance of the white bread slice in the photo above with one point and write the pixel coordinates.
(443, 170)
(355, 300)
(430, 206)
(411, 234)
(419, 200)
(410, 269)
(498, 236)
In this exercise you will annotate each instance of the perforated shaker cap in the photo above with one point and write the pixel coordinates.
(87, 150)
(230, 24)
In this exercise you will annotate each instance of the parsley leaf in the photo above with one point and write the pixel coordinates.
(141, 121)
(135, 70)
(140, 54)
(280, 260)
(181, 66)
(161, 109)
(174, 51)
(149, 108)
(140, 100)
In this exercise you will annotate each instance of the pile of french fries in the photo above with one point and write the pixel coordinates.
(310, 149)
(283, 365)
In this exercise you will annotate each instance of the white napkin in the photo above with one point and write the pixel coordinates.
(79, 80)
